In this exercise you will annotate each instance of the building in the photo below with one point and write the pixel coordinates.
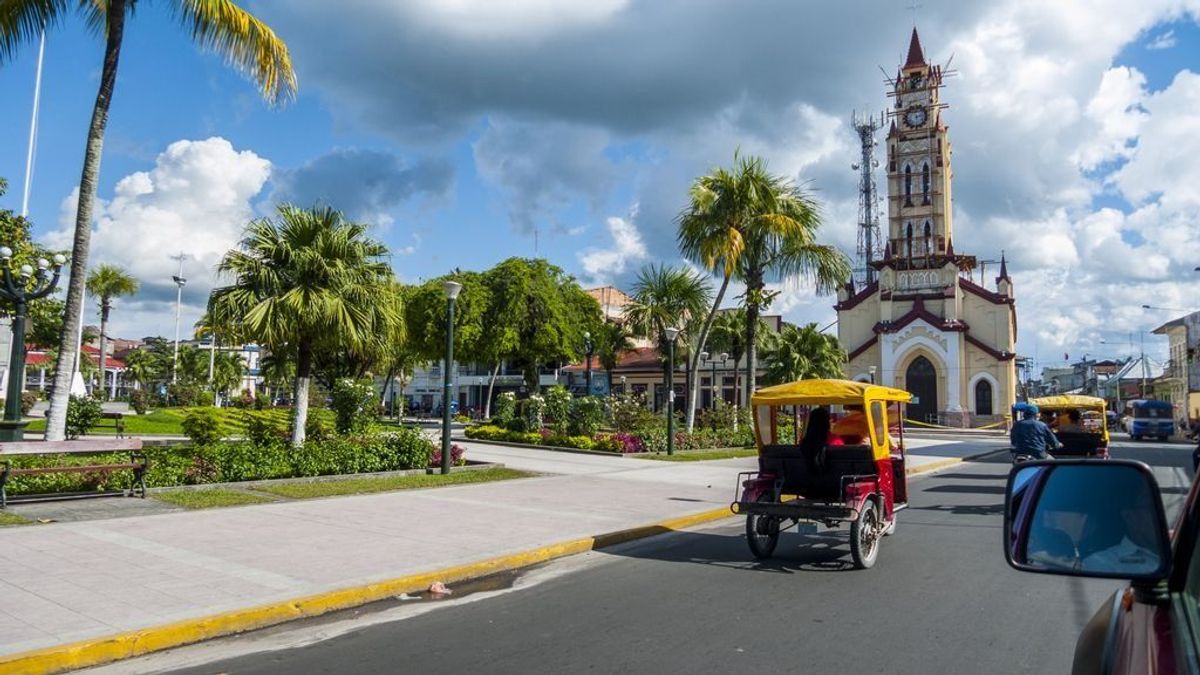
(1181, 376)
(925, 325)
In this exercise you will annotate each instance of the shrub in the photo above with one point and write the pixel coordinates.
(261, 403)
(205, 397)
(184, 395)
(629, 413)
(28, 398)
(558, 408)
(457, 458)
(518, 425)
(408, 448)
(622, 442)
(354, 406)
(139, 400)
(587, 414)
(486, 432)
(462, 419)
(506, 408)
(202, 425)
(82, 414)
(263, 429)
(316, 428)
(532, 410)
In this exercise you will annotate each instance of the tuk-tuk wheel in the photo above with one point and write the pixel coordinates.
(762, 532)
(865, 534)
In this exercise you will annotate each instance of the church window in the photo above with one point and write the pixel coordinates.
(928, 238)
(907, 185)
(925, 183)
(908, 238)
(983, 397)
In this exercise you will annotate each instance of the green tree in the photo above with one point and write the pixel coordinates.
(613, 340)
(218, 25)
(665, 297)
(308, 280)
(44, 315)
(141, 366)
(801, 353)
(105, 283)
(744, 223)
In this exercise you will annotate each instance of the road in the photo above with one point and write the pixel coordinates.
(940, 599)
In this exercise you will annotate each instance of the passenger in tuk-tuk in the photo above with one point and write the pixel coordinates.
(851, 429)
(816, 438)
(1070, 422)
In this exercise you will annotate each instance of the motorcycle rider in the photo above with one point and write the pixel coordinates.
(1030, 436)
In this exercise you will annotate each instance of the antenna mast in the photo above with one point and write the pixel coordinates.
(868, 201)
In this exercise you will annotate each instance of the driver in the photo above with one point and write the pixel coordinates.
(1030, 436)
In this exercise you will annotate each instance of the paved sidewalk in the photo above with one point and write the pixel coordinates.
(65, 582)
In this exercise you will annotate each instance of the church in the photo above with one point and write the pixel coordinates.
(919, 321)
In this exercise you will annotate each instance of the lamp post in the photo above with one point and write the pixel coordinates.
(12, 428)
(179, 283)
(871, 370)
(590, 346)
(671, 334)
(704, 359)
(452, 289)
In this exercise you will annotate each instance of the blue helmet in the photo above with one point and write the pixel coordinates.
(1025, 410)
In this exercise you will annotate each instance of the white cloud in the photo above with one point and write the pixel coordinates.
(601, 265)
(1164, 40)
(1117, 110)
(197, 200)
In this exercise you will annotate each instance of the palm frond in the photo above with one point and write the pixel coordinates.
(247, 44)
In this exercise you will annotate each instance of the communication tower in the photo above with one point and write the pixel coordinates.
(869, 240)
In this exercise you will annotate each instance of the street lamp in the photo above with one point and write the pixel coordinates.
(20, 292)
(871, 370)
(587, 342)
(452, 289)
(671, 334)
(179, 283)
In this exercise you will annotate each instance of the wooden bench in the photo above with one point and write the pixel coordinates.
(137, 463)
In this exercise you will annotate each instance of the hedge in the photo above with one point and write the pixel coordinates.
(229, 462)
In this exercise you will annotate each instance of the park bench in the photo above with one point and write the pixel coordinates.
(118, 422)
(137, 463)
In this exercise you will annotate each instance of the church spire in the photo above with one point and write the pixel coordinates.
(1003, 268)
(916, 56)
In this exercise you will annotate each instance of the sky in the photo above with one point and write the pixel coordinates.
(469, 131)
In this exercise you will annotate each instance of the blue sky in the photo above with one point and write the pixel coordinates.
(458, 128)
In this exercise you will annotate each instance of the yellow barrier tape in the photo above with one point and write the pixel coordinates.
(942, 426)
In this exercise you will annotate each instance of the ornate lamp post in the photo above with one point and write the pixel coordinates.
(20, 293)
(590, 346)
(871, 370)
(452, 289)
(671, 334)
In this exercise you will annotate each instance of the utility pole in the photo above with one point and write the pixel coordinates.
(179, 283)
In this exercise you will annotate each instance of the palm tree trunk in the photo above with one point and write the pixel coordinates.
(704, 331)
(56, 420)
(300, 405)
(753, 290)
(487, 403)
(388, 383)
(104, 307)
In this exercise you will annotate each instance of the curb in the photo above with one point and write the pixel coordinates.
(106, 649)
(930, 467)
(528, 446)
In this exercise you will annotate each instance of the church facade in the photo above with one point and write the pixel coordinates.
(921, 322)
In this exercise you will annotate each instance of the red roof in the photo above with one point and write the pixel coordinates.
(642, 358)
(916, 57)
(38, 358)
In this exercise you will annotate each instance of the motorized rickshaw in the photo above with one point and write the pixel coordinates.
(1090, 438)
(825, 470)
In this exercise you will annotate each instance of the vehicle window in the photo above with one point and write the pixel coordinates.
(1191, 592)
(878, 423)
(764, 424)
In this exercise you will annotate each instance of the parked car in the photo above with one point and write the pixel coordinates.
(1105, 519)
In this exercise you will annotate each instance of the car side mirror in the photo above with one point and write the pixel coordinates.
(1086, 519)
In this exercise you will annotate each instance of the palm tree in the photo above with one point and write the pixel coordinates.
(307, 281)
(729, 210)
(781, 245)
(105, 283)
(729, 335)
(613, 340)
(800, 353)
(140, 366)
(665, 297)
(220, 25)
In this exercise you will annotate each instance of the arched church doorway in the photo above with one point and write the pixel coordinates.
(920, 379)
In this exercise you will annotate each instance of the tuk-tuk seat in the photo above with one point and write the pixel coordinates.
(788, 463)
(1079, 442)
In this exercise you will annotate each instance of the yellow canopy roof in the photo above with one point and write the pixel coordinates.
(827, 392)
(1069, 401)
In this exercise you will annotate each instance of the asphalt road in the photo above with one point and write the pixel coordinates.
(940, 599)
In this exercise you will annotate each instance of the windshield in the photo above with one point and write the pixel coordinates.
(1153, 413)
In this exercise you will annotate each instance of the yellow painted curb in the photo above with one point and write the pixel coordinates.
(947, 462)
(110, 648)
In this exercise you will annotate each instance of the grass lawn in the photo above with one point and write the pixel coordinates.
(7, 519)
(353, 486)
(698, 455)
(208, 499)
(169, 421)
